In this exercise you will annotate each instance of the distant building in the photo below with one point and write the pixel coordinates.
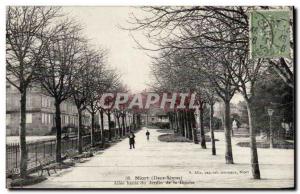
(156, 114)
(40, 113)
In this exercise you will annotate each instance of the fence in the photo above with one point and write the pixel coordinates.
(45, 150)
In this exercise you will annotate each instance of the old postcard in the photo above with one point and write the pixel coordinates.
(159, 97)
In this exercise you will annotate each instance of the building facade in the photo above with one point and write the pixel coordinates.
(40, 112)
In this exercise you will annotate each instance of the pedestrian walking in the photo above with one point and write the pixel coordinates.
(147, 134)
(131, 140)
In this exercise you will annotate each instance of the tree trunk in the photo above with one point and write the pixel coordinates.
(212, 134)
(271, 138)
(147, 119)
(174, 121)
(102, 129)
(190, 127)
(130, 128)
(58, 131)
(22, 134)
(194, 132)
(227, 131)
(186, 124)
(138, 119)
(171, 121)
(79, 131)
(202, 132)
(182, 123)
(115, 128)
(177, 121)
(109, 126)
(93, 129)
(187, 130)
(133, 122)
(253, 148)
(119, 127)
(123, 124)
(126, 124)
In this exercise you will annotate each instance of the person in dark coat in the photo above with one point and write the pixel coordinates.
(147, 134)
(131, 140)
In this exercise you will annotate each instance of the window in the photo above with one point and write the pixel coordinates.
(43, 119)
(46, 118)
(67, 120)
(28, 101)
(43, 101)
(49, 118)
(48, 102)
(28, 118)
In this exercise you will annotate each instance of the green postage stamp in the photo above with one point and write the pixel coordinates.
(150, 97)
(270, 33)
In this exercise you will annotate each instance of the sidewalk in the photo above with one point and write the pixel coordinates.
(155, 164)
(29, 139)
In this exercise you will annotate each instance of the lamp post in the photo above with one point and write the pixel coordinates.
(270, 113)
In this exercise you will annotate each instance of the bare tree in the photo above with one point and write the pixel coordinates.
(212, 30)
(94, 103)
(172, 74)
(211, 99)
(117, 115)
(83, 87)
(25, 48)
(60, 69)
(245, 75)
(284, 68)
(105, 80)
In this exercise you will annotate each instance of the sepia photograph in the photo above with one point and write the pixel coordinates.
(150, 97)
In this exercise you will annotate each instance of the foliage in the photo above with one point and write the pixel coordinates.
(275, 94)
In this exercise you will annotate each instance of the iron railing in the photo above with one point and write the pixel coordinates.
(45, 150)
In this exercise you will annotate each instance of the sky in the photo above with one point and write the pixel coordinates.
(101, 26)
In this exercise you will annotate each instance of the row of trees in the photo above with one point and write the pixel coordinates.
(46, 49)
(205, 50)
